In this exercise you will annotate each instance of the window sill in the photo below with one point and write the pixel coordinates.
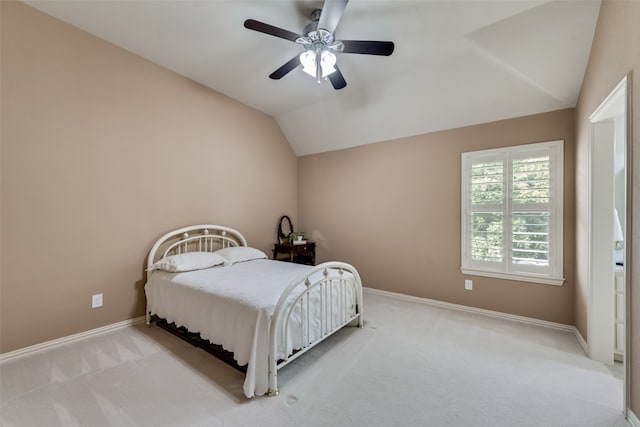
(555, 281)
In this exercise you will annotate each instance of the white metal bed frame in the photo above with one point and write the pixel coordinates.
(334, 312)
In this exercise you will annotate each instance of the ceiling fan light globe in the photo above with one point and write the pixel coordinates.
(308, 61)
(328, 63)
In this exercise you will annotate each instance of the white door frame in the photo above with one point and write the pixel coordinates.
(600, 308)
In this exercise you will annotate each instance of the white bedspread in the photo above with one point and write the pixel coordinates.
(230, 306)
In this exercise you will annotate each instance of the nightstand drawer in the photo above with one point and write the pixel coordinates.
(301, 254)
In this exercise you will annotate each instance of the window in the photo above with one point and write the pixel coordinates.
(512, 213)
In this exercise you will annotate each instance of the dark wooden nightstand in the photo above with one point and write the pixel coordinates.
(302, 254)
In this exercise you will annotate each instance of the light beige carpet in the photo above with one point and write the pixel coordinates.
(412, 365)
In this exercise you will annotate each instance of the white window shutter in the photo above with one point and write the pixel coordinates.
(512, 212)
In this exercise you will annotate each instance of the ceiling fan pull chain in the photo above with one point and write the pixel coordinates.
(318, 67)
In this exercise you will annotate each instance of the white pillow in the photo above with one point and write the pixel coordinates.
(188, 262)
(237, 254)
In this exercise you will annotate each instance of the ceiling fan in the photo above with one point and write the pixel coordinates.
(318, 58)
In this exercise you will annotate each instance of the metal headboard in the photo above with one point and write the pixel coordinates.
(202, 238)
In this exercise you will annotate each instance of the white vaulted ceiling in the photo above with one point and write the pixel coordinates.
(456, 63)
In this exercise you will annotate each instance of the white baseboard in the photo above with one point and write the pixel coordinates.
(491, 313)
(82, 335)
(583, 343)
(632, 418)
(4, 357)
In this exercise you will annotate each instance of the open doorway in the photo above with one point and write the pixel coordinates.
(608, 210)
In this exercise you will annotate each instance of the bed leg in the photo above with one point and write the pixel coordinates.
(273, 393)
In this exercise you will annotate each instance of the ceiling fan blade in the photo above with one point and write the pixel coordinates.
(261, 27)
(331, 14)
(286, 68)
(368, 47)
(337, 79)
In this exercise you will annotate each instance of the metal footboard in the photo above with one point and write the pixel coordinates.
(311, 309)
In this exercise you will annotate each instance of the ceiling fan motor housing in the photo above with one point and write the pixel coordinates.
(317, 39)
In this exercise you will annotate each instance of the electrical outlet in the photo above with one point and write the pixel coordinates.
(468, 284)
(96, 301)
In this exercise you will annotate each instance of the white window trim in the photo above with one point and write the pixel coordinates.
(544, 280)
(470, 268)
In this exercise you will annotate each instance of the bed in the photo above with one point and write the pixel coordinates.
(205, 278)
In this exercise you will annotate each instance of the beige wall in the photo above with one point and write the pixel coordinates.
(102, 152)
(614, 54)
(393, 210)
